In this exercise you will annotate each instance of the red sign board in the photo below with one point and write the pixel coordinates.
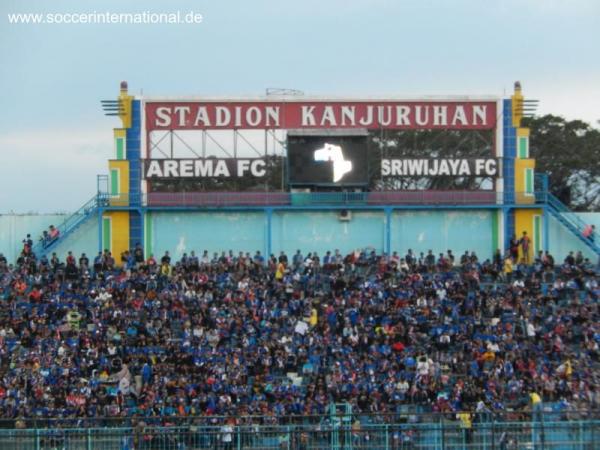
(375, 114)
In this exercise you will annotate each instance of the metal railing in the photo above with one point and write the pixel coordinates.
(568, 215)
(570, 219)
(65, 227)
(435, 197)
(445, 434)
(219, 199)
(430, 198)
(412, 413)
(121, 199)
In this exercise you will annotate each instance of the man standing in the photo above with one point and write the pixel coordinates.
(138, 254)
(525, 243)
(227, 434)
(298, 260)
(514, 249)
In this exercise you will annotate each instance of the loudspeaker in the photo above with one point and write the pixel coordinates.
(345, 215)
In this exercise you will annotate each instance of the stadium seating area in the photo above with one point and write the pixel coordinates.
(240, 335)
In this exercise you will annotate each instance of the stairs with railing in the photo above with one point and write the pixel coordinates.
(569, 219)
(69, 225)
(572, 221)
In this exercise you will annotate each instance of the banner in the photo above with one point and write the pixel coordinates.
(204, 168)
(439, 167)
(323, 114)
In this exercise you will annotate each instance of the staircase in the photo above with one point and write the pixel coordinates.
(70, 224)
(571, 221)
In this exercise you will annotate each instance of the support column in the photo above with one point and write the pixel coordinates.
(387, 234)
(268, 232)
(100, 230)
(496, 231)
(509, 226)
(546, 229)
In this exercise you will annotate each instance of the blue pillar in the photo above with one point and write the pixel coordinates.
(509, 145)
(133, 135)
(142, 225)
(388, 231)
(509, 225)
(545, 183)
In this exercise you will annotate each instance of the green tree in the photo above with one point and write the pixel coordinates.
(569, 152)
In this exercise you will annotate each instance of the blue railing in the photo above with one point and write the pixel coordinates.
(565, 212)
(443, 435)
(328, 198)
(67, 226)
(572, 221)
(307, 199)
(375, 198)
(280, 198)
(561, 212)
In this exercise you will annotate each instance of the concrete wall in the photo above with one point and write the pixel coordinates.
(322, 231)
(319, 231)
(14, 227)
(309, 231)
(562, 241)
(181, 232)
(83, 240)
(443, 230)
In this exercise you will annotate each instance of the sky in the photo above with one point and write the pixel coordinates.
(54, 138)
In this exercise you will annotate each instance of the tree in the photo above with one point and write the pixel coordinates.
(569, 152)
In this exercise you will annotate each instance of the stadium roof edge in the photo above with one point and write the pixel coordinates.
(302, 98)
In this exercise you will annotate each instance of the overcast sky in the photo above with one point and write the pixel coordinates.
(54, 138)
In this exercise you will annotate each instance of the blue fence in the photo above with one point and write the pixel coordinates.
(336, 435)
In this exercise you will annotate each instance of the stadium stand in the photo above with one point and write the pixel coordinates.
(240, 340)
(240, 335)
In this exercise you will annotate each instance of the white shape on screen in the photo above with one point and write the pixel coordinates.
(330, 152)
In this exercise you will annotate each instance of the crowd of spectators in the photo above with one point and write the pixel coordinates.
(240, 334)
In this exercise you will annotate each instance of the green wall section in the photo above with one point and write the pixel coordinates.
(120, 148)
(114, 181)
(106, 233)
(148, 240)
(523, 153)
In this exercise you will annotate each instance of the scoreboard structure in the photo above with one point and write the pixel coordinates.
(297, 154)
